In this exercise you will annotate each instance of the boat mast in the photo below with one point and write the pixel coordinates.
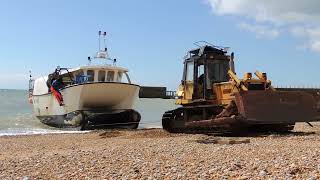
(99, 40)
(102, 52)
(104, 41)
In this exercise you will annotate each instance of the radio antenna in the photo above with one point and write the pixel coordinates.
(99, 40)
(104, 41)
(103, 51)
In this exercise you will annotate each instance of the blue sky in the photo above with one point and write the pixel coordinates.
(151, 37)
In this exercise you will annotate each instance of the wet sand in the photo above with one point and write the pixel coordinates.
(155, 154)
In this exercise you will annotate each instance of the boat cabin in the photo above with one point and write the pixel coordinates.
(83, 75)
(95, 74)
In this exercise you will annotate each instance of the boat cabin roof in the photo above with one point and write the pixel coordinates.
(98, 67)
(206, 50)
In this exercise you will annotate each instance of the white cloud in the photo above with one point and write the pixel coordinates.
(312, 35)
(275, 11)
(315, 46)
(298, 17)
(260, 31)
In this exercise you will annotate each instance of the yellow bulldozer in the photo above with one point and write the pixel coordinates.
(214, 99)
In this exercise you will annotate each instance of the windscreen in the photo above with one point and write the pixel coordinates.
(190, 70)
(217, 72)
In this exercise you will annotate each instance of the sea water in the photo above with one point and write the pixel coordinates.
(16, 116)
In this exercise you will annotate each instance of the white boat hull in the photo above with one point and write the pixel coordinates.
(86, 101)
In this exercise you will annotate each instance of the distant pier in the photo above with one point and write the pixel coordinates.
(156, 92)
(163, 93)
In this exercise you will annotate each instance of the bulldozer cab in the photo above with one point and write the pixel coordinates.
(203, 67)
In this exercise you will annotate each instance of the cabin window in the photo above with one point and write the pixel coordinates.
(101, 76)
(126, 79)
(90, 75)
(80, 77)
(200, 70)
(123, 77)
(189, 73)
(217, 72)
(119, 77)
(200, 75)
(110, 76)
(67, 79)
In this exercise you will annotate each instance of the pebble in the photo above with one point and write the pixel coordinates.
(263, 173)
(26, 178)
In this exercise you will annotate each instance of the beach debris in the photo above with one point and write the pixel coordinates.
(26, 178)
(110, 133)
(151, 133)
(223, 141)
(263, 173)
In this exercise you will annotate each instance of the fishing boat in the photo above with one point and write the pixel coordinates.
(90, 96)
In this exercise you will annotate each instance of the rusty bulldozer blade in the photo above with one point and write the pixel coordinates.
(275, 107)
(268, 108)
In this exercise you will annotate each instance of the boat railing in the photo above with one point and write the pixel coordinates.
(171, 94)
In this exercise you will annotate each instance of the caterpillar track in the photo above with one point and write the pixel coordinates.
(174, 122)
(180, 120)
